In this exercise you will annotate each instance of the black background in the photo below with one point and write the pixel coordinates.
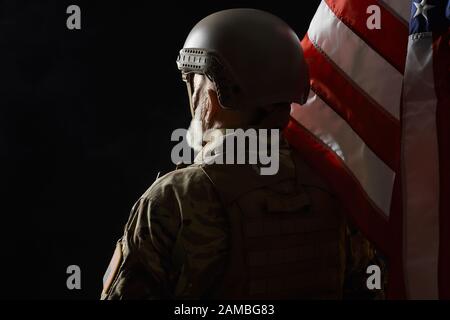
(85, 123)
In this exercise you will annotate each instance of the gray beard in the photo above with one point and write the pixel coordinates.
(194, 135)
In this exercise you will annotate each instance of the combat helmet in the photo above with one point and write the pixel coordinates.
(253, 58)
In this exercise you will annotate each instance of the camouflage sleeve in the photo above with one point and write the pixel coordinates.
(147, 243)
(180, 207)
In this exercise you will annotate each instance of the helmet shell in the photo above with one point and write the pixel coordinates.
(253, 57)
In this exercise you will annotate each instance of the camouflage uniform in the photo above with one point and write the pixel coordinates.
(201, 228)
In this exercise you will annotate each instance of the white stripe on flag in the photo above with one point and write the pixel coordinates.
(420, 171)
(368, 70)
(401, 8)
(376, 178)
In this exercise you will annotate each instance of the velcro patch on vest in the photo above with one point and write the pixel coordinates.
(289, 204)
(113, 267)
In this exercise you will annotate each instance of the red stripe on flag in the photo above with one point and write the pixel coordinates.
(396, 283)
(379, 130)
(391, 41)
(441, 52)
(396, 288)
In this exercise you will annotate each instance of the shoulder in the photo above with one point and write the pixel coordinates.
(186, 184)
(183, 197)
(180, 195)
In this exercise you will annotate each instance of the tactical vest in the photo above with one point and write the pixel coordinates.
(287, 234)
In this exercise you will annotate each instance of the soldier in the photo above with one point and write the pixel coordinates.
(211, 230)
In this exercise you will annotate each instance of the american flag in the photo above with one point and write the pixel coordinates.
(377, 127)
